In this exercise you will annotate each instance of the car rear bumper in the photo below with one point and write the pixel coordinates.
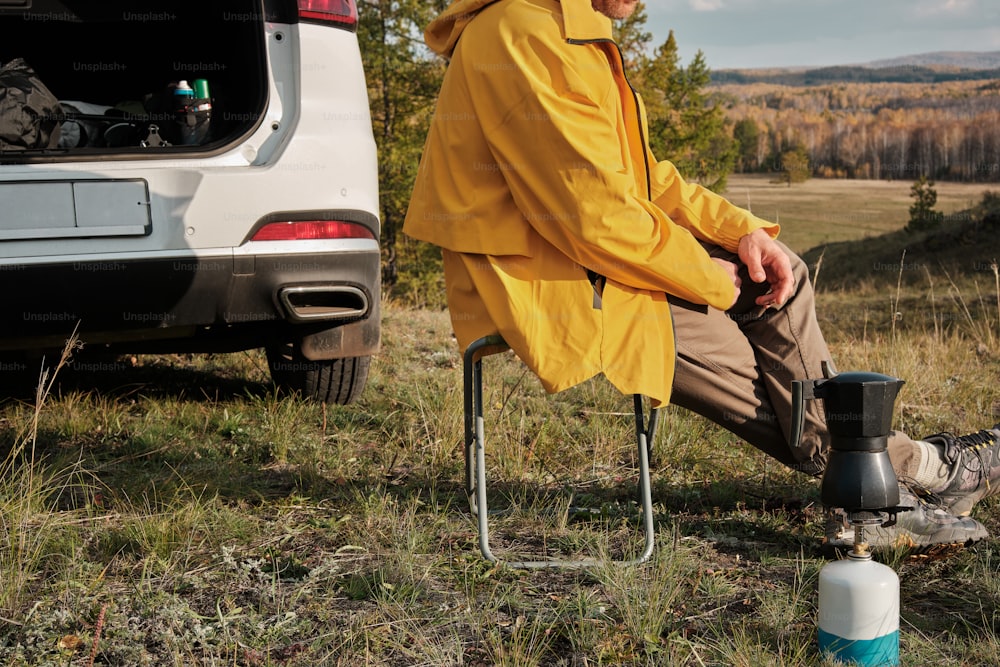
(330, 301)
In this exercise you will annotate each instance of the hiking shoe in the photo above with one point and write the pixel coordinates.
(975, 468)
(926, 531)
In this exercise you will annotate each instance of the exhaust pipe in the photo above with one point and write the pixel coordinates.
(317, 303)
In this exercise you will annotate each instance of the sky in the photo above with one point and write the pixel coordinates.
(789, 33)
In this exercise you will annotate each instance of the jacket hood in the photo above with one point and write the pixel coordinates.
(580, 21)
(443, 32)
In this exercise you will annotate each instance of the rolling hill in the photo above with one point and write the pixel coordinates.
(919, 68)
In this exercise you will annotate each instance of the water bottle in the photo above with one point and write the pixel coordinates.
(203, 99)
(184, 113)
(183, 96)
(859, 611)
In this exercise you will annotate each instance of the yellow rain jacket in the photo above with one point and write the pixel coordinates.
(537, 174)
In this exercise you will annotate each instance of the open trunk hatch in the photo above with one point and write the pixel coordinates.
(111, 68)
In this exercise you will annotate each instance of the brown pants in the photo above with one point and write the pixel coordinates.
(735, 368)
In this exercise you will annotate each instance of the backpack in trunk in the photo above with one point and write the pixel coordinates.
(30, 115)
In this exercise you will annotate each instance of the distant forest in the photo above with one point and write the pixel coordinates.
(893, 124)
(853, 74)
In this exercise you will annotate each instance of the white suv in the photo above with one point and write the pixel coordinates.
(245, 218)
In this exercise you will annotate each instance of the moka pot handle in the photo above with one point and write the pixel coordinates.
(802, 390)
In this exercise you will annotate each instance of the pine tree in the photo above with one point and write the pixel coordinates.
(631, 36)
(685, 125)
(747, 135)
(923, 217)
(403, 81)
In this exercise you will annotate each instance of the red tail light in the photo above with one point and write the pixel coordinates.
(343, 13)
(312, 230)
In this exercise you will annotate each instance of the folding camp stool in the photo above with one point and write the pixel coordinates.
(475, 462)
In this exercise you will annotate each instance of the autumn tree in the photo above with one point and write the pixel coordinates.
(898, 131)
(794, 166)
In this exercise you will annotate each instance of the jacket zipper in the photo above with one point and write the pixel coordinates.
(645, 159)
(597, 280)
(635, 101)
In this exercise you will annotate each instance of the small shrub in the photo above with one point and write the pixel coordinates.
(989, 210)
(923, 217)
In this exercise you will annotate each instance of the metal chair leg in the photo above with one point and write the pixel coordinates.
(475, 465)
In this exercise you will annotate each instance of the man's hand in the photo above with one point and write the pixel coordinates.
(732, 271)
(765, 260)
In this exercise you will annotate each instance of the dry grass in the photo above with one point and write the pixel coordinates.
(822, 211)
(189, 516)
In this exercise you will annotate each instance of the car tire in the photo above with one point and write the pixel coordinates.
(338, 381)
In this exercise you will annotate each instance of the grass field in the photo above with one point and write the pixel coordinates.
(829, 210)
(174, 510)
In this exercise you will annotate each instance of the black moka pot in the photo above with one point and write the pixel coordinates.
(859, 477)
